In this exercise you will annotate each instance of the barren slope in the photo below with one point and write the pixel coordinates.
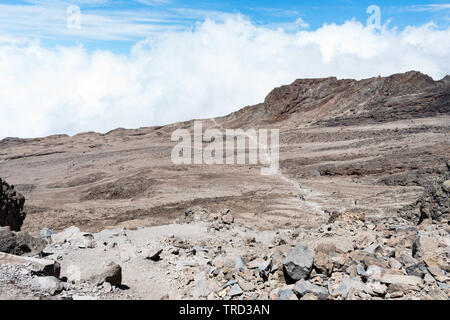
(368, 144)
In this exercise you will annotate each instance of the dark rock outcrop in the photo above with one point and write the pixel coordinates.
(11, 207)
(433, 204)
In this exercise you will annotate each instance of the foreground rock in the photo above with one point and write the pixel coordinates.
(352, 257)
(303, 288)
(51, 285)
(20, 243)
(111, 274)
(299, 262)
(37, 266)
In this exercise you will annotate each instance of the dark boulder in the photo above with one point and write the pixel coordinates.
(11, 207)
(20, 243)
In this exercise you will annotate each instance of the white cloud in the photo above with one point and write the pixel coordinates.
(51, 22)
(301, 23)
(429, 7)
(65, 3)
(212, 70)
(153, 3)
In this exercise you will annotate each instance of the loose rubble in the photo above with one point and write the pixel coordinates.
(207, 255)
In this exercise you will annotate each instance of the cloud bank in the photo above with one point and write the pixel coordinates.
(211, 70)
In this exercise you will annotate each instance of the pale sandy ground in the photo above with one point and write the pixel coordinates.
(57, 173)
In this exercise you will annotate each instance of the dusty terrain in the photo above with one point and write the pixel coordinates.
(369, 146)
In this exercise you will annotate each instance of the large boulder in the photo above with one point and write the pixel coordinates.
(11, 207)
(20, 243)
(298, 263)
(112, 273)
(75, 237)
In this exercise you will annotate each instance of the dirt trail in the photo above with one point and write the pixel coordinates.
(275, 171)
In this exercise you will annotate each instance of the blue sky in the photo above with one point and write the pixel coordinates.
(117, 24)
(153, 62)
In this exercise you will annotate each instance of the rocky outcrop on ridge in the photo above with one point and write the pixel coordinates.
(344, 102)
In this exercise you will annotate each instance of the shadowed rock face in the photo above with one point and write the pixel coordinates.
(11, 207)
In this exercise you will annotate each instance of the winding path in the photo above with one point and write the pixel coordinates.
(295, 185)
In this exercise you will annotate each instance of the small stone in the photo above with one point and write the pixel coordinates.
(309, 296)
(81, 298)
(228, 284)
(373, 248)
(378, 288)
(107, 287)
(394, 264)
(429, 278)
(240, 264)
(446, 186)
(112, 245)
(235, 291)
(222, 293)
(227, 217)
(201, 287)
(124, 257)
(345, 286)
(323, 263)
(46, 233)
(304, 287)
(287, 294)
(255, 263)
(424, 246)
(50, 285)
(264, 269)
(247, 286)
(250, 240)
(396, 294)
(399, 279)
(153, 254)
